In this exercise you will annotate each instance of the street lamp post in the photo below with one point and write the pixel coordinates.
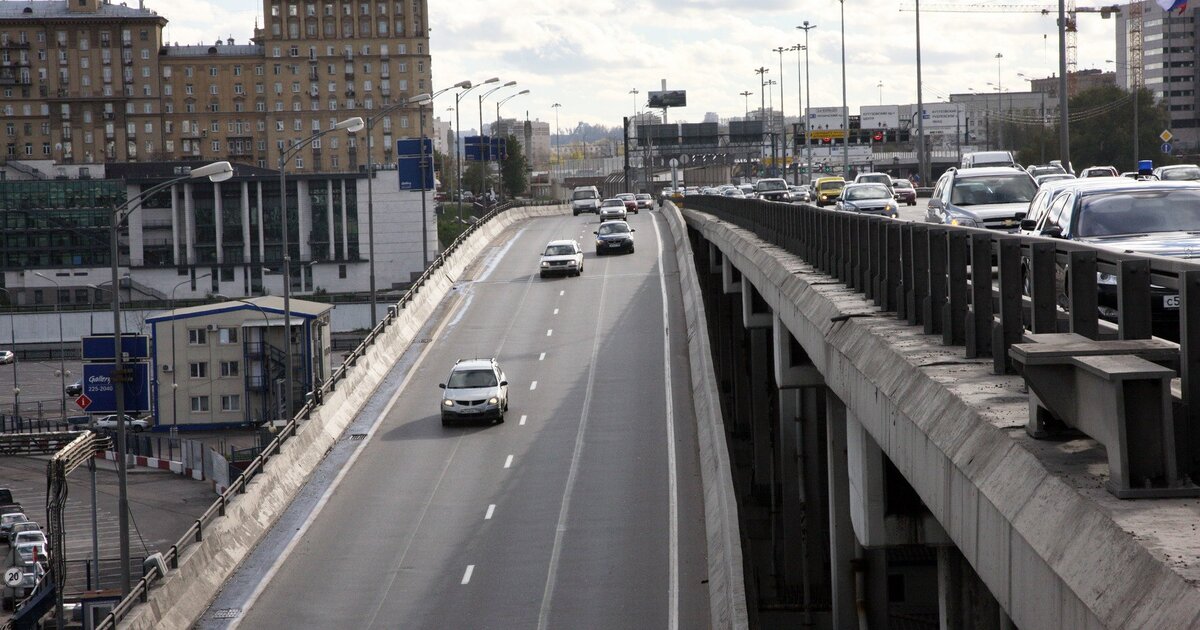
(286, 154)
(771, 117)
(922, 171)
(458, 140)
(746, 101)
(487, 150)
(782, 116)
(62, 368)
(216, 172)
(806, 27)
(370, 124)
(557, 141)
(500, 166)
(762, 106)
(12, 323)
(999, 105)
(799, 108)
(421, 100)
(845, 110)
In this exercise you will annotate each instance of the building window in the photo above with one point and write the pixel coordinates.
(198, 369)
(229, 336)
(199, 403)
(231, 402)
(230, 369)
(197, 337)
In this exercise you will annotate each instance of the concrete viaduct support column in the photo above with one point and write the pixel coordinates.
(802, 517)
(758, 322)
(841, 530)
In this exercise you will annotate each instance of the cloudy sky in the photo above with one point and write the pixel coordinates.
(588, 54)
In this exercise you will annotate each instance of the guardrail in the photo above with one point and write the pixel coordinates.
(194, 534)
(922, 273)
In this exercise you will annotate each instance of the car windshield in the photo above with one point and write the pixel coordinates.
(471, 378)
(993, 189)
(770, 185)
(901, 183)
(879, 179)
(1178, 174)
(613, 202)
(643, 196)
(857, 193)
(830, 185)
(583, 194)
(559, 250)
(1138, 212)
(613, 228)
(1045, 170)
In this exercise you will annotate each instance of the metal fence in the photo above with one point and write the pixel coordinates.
(140, 591)
(923, 273)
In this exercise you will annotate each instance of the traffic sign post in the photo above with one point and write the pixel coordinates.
(1166, 147)
(1166, 135)
(103, 347)
(13, 577)
(83, 401)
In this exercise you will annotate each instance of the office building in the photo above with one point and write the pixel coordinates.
(1168, 64)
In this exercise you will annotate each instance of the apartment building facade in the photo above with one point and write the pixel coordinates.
(1168, 66)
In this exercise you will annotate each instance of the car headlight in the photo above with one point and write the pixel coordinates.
(964, 222)
(571, 263)
(599, 242)
(448, 403)
(493, 401)
(1106, 278)
(545, 263)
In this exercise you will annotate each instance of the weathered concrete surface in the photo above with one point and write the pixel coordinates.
(1031, 517)
(726, 583)
(178, 600)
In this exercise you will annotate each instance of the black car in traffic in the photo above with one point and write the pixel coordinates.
(614, 237)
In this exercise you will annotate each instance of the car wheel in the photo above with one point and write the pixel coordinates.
(542, 274)
(575, 212)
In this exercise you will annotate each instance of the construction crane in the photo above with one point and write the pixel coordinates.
(1105, 12)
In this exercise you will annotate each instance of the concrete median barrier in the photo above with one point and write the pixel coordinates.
(178, 600)
(726, 584)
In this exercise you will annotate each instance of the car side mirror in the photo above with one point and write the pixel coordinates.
(1053, 231)
(596, 233)
(442, 385)
(632, 230)
(503, 383)
(1028, 224)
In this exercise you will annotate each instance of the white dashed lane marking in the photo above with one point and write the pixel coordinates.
(467, 575)
(533, 386)
(523, 419)
(542, 357)
(508, 462)
(491, 510)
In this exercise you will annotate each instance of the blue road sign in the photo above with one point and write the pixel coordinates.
(1166, 147)
(101, 347)
(98, 386)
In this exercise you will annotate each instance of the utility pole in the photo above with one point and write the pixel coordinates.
(762, 107)
(922, 172)
(806, 27)
(1064, 131)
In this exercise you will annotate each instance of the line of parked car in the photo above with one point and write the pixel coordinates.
(26, 549)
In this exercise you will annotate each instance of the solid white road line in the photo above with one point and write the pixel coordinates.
(542, 357)
(533, 386)
(467, 575)
(523, 418)
(672, 482)
(565, 509)
(490, 511)
(508, 461)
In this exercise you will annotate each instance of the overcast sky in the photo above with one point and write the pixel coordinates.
(588, 54)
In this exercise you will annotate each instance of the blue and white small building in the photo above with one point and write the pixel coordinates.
(223, 365)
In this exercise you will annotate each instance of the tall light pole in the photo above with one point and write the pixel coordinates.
(12, 323)
(174, 365)
(370, 124)
(762, 107)
(806, 27)
(922, 170)
(500, 166)
(486, 151)
(746, 101)
(557, 141)
(458, 141)
(62, 367)
(999, 105)
(421, 100)
(782, 116)
(286, 154)
(845, 109)
(799, 108)
(1064, 121)
(216, 172)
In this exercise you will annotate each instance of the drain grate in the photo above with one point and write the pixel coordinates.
(227, 613)
(358, 437)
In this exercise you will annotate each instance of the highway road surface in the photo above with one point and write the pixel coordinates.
(583, 510)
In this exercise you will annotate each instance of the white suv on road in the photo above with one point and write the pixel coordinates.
(476, 390)
(561, 257)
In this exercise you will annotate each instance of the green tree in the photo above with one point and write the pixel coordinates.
(1102, 130)
(514, 169)
(473, 179)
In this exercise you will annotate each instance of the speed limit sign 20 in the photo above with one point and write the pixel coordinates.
(12, 576)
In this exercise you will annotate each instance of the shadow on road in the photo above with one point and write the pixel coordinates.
(430, 428)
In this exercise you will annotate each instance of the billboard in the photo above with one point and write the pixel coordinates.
(669, 98)
(879, 116)
(408, 163)
(942, 116)
(825, 118)
(700, 133)
(484, 148)
(102, 348)
(98, 386)
(745, 131)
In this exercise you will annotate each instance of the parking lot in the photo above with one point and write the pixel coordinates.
(41, 388)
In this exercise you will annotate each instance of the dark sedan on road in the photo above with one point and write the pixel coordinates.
(614, 236)
(1147, 217)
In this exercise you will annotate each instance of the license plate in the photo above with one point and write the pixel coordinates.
(618, 245)
(470, 410)
(1170, 301)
